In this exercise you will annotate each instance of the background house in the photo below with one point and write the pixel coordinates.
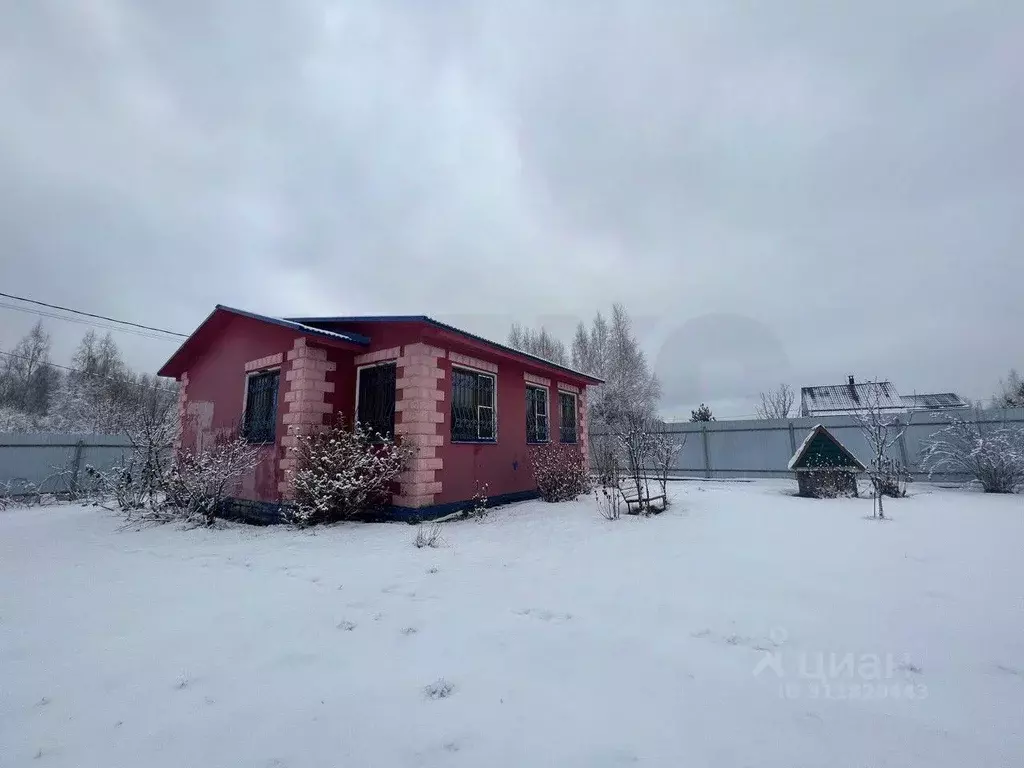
(853, 397)
(470, 408)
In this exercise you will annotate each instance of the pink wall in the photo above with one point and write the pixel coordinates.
(215, 391)
(503, 466)
(318, 382)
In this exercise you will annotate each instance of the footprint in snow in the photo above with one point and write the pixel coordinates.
(1010, 670)
(439, 689)
(347, 626)
(543, 615)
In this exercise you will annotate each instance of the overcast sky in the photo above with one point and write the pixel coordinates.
(784, 191)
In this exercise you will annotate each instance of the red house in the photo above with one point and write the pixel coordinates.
(470, 408)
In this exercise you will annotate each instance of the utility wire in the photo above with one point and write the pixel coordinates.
(93, 375)
(91, 323)
(91, 314)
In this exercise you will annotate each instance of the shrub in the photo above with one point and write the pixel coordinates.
(890, 478)
(428, 536)
(344, 472)
(991, 453)
(560, 471)
(199, 483)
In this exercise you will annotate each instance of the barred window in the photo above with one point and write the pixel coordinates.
(260, 417)
(375, 398)
(473, 406)
(567, 413)
(536, 415)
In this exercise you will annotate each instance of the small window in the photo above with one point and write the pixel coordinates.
(375, 399)
(536, 415)
(472, 406)
(567, 413)
(260, 417)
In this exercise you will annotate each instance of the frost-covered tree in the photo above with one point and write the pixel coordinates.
(538, 343)
(702, 414)
(622, 411)
(1011, 394)
(776, 403)
(882, 428)
(27, 380)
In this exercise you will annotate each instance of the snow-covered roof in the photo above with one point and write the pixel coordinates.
(847, 398)
(815, 431)
(933, 401)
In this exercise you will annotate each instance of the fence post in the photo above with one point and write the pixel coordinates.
(76, 465)
(903, 447)
(707, 453)
(792, 439)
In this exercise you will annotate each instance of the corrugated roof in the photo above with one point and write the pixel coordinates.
(849, 397)
(446, 327)
(298, 325)
(934, 400)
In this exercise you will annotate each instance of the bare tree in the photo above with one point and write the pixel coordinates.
(664, 450)
(538, 343)
(882, 427)
(776, 403)
(27, 380)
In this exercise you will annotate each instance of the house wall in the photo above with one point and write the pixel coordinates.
(212, 395)
(318, 383)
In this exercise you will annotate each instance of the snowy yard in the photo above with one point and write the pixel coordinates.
(743, 627)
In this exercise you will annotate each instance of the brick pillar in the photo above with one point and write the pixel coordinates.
(419, 403)
(581, 421)
(307, 409)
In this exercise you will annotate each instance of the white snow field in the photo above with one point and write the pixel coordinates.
(744, 627)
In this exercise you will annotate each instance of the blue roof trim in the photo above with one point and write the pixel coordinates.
(295, 325)
(446, 327)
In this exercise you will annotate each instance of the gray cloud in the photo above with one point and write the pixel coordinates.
(776, 191)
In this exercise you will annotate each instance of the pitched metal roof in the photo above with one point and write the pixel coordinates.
(298, 325)
(934, 401)
(174, 364)
(849, 397)
(445, 327)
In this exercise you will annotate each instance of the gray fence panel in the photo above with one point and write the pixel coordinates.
(763, 447)
(43, 459)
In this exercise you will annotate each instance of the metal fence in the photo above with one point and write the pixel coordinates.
(763, 448)
(55, 463)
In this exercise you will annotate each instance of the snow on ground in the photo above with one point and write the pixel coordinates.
(743, 627)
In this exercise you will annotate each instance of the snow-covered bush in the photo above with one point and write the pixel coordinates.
(479, 509)
(609, 501)
(991, 453)
(428, 536)
(198, 484)
(342, 472)
(663, 452)
(890, 477)
(560, 471)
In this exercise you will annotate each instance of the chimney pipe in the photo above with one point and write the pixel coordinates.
(851, 379)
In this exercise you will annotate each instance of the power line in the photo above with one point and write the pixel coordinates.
(93, 315)
(93, 324)
(93, 375)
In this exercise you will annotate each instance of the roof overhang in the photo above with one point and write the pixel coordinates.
(451, 333)
(219, 318)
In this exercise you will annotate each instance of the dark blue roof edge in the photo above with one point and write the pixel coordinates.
(445, 326)
(296, 325)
